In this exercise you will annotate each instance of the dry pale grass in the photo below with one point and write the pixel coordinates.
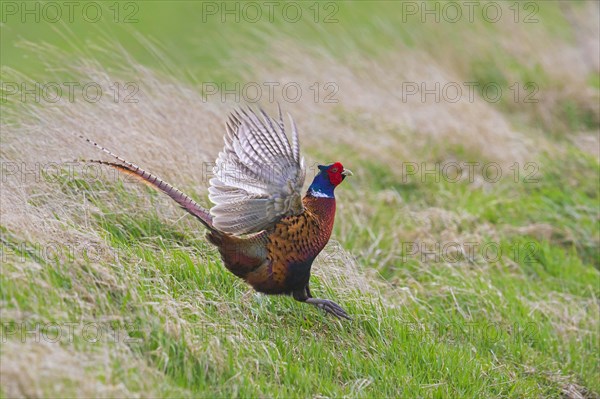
(374, 117)
(44, 369)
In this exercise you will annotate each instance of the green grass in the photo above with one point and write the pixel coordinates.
(233, 343)
(520, 321)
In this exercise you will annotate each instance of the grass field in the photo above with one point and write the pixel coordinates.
(466, 246)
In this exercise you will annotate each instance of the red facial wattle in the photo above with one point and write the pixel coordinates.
(334, 172)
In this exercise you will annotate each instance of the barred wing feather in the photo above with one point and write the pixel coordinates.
(258, 174)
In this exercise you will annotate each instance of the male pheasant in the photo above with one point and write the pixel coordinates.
(265, 232)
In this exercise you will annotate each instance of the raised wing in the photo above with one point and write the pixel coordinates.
(258, 174)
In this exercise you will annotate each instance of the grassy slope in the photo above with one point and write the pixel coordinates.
(525, 325)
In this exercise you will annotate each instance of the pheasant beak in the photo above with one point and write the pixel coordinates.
(347, 172)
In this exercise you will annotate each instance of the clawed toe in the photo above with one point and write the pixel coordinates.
(338, 312)
(334, 309)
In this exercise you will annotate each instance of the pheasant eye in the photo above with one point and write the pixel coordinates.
(334, 170)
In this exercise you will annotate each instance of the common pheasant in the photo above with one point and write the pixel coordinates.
(266, 233)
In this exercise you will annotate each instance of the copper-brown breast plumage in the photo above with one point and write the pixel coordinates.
(292, 245)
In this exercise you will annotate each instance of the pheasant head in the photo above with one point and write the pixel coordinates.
(328, 178)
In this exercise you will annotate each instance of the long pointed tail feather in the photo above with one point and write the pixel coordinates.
(153, 181)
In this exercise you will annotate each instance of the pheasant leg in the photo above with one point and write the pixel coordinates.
(325, 304)
(329, 306)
